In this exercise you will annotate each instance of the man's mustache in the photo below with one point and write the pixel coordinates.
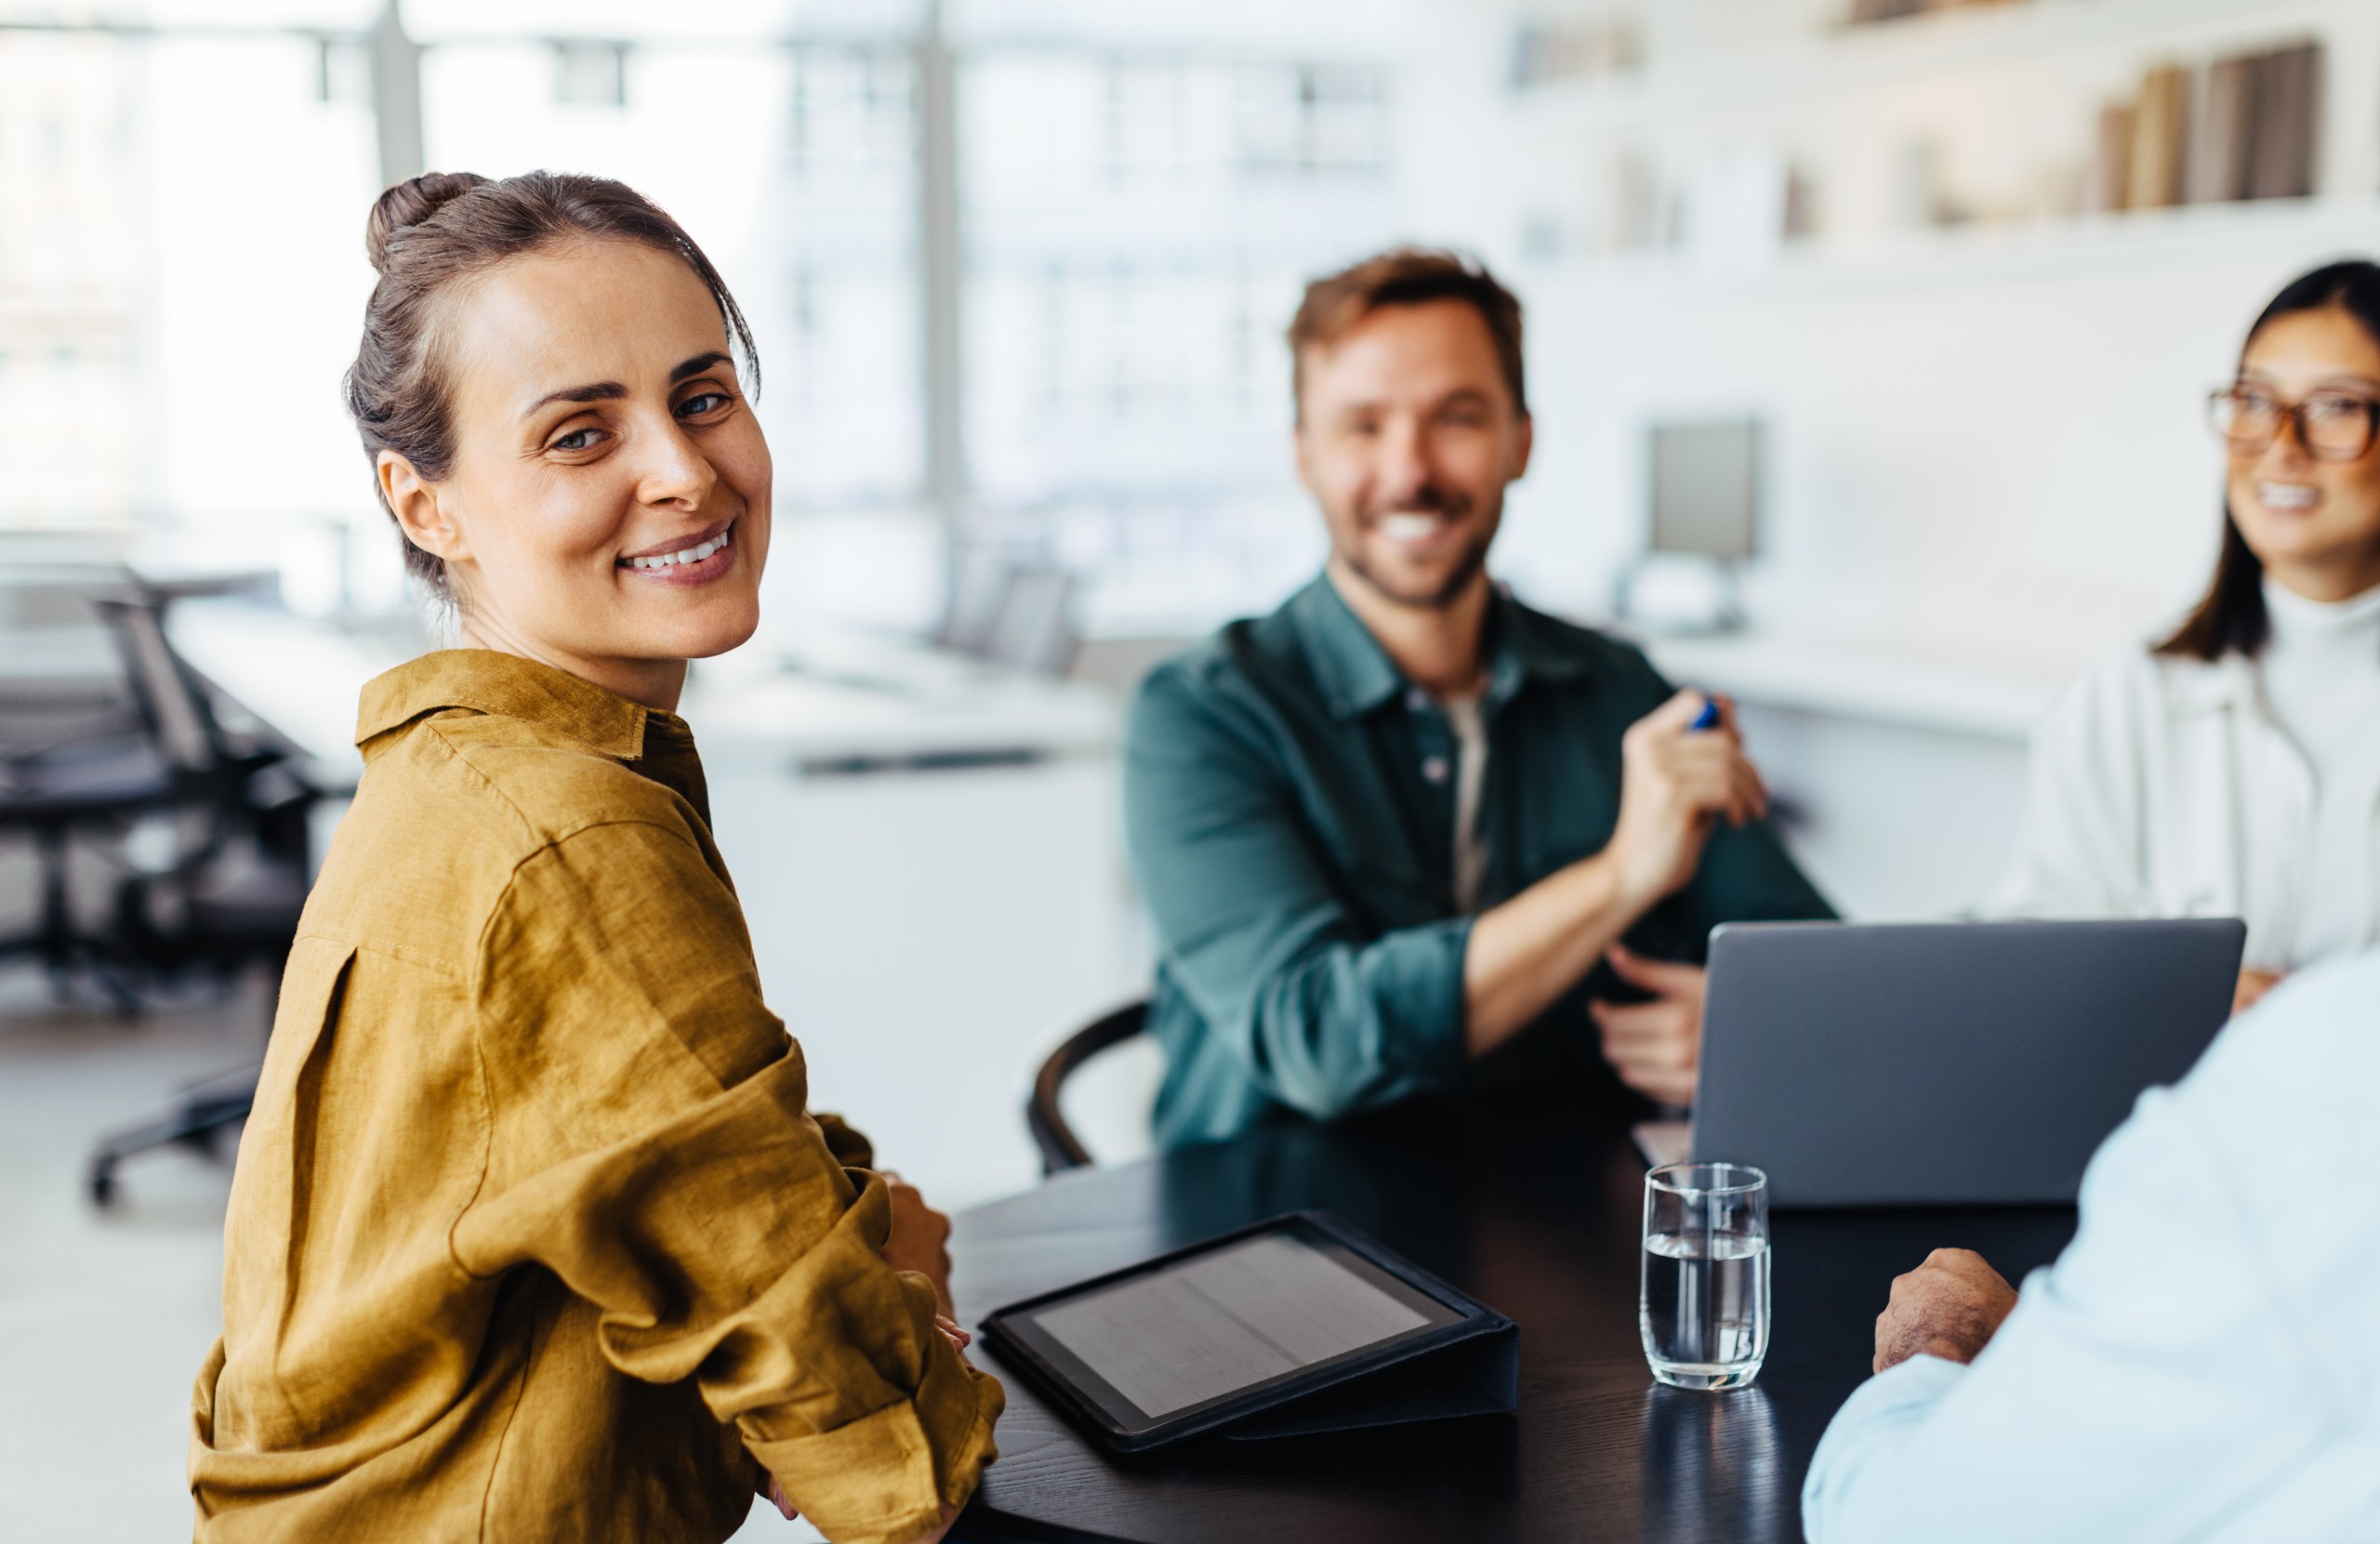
(1426, 501)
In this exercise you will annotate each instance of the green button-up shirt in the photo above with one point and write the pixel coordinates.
(1290, 802)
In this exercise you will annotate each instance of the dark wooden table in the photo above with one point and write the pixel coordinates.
(1536, 1217)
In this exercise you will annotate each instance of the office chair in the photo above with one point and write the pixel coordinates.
(229, 898)
(1061, 1149)
(71, 778)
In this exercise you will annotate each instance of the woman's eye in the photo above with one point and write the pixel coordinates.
(577, 438)
(707, 402)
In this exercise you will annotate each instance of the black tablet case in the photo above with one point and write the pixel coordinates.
(1467, 1369)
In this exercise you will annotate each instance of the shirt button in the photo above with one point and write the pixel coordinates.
(1416, 699)
(1434, 769)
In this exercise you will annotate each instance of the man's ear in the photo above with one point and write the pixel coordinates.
(1522, 446)
(419, 514)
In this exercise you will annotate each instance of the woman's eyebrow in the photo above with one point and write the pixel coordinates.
(697, 365)
(602, 391)
(612, 390)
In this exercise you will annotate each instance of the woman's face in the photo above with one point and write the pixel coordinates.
(2315, 523)
(607, 511)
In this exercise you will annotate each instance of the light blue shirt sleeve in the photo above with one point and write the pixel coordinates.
(2201, 1363)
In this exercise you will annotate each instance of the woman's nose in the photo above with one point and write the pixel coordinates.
(675, 471)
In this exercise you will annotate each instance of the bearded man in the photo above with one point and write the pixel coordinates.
(1406, 835)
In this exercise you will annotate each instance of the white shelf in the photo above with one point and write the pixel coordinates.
(1891, 55)
(2305, 231)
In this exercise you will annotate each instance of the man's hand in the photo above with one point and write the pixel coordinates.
(1655, 1047)
(1948, 1307)
(1674, 782)
(2253, 986)
(920, 1240)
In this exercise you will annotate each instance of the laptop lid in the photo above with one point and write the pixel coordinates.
(1947, 1064)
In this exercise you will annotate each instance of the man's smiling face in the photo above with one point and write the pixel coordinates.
(1407, 434)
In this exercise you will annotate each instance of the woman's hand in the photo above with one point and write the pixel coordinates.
(776, 1493)
(1655, 1047)
(920, 1240)
(2253, 986)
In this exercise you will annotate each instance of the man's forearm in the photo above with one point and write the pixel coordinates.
(1527, 952)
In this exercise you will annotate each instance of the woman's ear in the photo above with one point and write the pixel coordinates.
(419, 514)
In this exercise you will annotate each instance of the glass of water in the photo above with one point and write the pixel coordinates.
(1703, 1303)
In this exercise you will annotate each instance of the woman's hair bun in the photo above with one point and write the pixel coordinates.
(408, 203)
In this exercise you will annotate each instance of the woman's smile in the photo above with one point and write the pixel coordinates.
(696, 558)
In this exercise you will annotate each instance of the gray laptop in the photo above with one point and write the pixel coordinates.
(1946, 1063)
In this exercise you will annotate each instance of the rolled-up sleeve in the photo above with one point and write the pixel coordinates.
(1320, 1015)
(649, 1144)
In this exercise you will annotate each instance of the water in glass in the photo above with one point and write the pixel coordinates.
(1703, 1309)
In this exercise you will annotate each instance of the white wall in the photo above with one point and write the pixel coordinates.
(1971, 426)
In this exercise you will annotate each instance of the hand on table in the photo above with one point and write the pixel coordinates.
(1655, 1047)
(2253, 984)
(920, 1240)
(1675, 783)
(1948, 1307)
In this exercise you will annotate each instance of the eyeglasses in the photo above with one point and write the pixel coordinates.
(2333, 426)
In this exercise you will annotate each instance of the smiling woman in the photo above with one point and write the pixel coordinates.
(548, 391)
(533, 1233)
(2233, 769)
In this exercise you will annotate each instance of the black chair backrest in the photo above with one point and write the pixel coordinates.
(1061, 1149)
(172, 700)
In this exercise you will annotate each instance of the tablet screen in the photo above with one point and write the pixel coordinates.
(1225, 1321)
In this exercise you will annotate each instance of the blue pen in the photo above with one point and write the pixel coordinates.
(1709, 716)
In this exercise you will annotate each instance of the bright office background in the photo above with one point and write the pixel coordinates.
(1019, 270)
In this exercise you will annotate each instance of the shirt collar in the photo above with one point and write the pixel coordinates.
(487, 681)
(2202, 686)
(1356, 675)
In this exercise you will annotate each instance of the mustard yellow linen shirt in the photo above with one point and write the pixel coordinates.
(532, 1237)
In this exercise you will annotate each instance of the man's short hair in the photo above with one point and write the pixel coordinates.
(1405, 276)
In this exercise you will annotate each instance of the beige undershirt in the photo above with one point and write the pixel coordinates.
(1470, 726)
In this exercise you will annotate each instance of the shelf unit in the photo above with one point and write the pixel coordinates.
(2013, 89)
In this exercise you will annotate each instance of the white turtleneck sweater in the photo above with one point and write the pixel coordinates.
(2167, 787)
(2321, 679)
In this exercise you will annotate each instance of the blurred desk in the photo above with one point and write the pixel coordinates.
(1880, 679)
(1898, 763)
(930, 857)
(1538, 1219)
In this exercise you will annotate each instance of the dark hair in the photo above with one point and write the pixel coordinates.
(1405, 276)
(430, 232)
(2232, 615)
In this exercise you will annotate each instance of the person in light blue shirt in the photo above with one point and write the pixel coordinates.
(2203, 1361)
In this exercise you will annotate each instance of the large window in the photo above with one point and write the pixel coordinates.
(1138, 229)
(181, 268)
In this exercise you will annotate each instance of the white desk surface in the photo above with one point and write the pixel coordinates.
(1881, 679)
(847, 699)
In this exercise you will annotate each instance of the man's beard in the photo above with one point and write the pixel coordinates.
(1468, 564)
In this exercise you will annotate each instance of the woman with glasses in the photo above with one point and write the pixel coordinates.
(2234, 768)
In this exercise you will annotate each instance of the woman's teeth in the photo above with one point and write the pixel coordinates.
(2287, 495)
(684, 555)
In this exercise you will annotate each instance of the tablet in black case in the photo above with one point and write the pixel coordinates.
(1299, 1324)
